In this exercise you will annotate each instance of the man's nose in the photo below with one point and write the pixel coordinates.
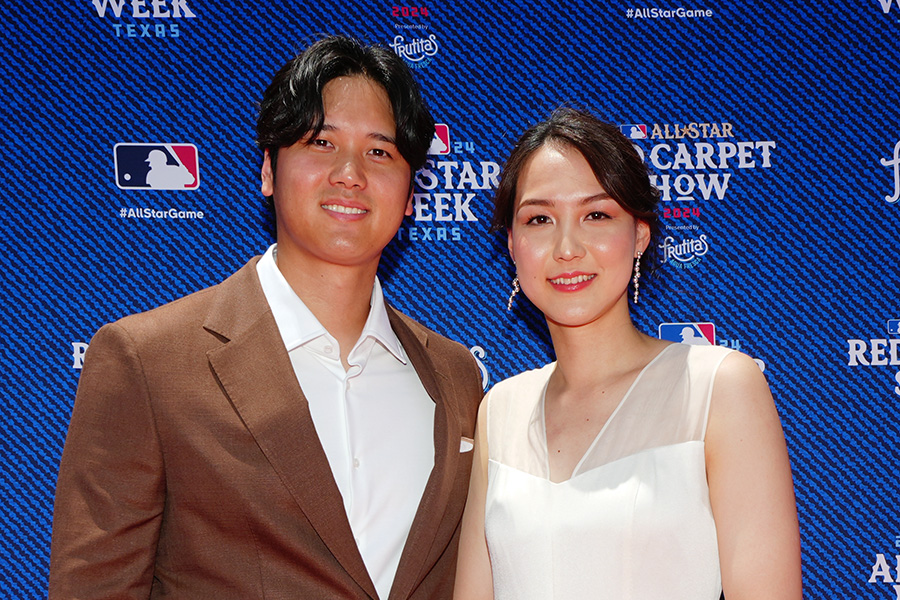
(349, 171)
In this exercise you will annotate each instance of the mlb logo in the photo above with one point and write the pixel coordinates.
(893, 326)
(635, 131)
(440, 143)
(157, 166)
(695, 334)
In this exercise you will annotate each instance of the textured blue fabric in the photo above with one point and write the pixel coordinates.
(800, 256)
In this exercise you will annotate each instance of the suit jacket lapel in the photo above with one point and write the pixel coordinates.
(415, 560)
(258, 378)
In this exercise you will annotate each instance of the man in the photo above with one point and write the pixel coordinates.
(284, 434)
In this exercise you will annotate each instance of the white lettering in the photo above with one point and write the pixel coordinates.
(139, 9)
(685, 251)
(458, 176)
(714, 184)
(447, 166)
(100, 6)
(654, 157)
(159, 9)
(682, 157)
(886, 7)
(420, 204)
(479, 353)
(684, 186)
(181, 5)
(468, 178)
(416, 50)
(857, 352)
(881, 569)
(461, 207)
(766, 150)
(726, 150)
(895, 162)
(78, 350)
(425, 178)
(745, 155)
(490, 174)
(704, 155)
(878, 357)
(441, 208)
(881, 352)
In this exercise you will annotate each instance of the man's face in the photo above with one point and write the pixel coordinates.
(341, 198)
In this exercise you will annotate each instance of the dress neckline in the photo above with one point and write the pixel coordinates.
(543, 419)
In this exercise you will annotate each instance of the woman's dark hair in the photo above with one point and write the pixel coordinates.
(291, 108)
(612, 157)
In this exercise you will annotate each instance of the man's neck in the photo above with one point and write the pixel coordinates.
(338, 296)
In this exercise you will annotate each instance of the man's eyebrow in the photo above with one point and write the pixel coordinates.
(375, 135)
(383, 138)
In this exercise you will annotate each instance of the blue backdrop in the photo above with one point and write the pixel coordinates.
(771, 129)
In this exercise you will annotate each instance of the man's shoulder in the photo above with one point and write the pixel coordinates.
(435, 341)
(191, 311)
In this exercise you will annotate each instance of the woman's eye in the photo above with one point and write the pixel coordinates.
(597, 215)
(538, 220)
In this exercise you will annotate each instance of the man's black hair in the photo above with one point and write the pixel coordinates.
(291, 108)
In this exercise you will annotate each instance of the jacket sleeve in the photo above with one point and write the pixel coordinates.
(110, 493)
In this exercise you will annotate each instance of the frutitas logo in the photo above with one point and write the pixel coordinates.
(686, 254)
(417, 52)
(145, 9)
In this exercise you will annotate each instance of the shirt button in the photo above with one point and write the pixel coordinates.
(328, 349)
(355, 463)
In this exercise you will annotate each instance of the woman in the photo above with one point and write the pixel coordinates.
(631, 468)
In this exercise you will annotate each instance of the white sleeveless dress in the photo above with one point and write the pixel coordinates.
(634, 521)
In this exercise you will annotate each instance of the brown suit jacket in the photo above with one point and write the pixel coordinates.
(192, 468)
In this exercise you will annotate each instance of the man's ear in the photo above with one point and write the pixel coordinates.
(409, 202)
(267, 176)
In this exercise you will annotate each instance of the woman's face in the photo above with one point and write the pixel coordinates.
(573, 245)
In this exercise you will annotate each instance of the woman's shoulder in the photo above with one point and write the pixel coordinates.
(532, 379)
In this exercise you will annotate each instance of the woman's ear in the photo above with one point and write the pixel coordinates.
(642, 235)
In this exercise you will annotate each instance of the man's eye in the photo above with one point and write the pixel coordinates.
(380, 152)
(321, 143)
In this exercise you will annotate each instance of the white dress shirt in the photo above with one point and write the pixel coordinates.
(375, 420)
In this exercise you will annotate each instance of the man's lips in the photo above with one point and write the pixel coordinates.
(344, 209)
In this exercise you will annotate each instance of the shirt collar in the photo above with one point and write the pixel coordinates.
(298, 325)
